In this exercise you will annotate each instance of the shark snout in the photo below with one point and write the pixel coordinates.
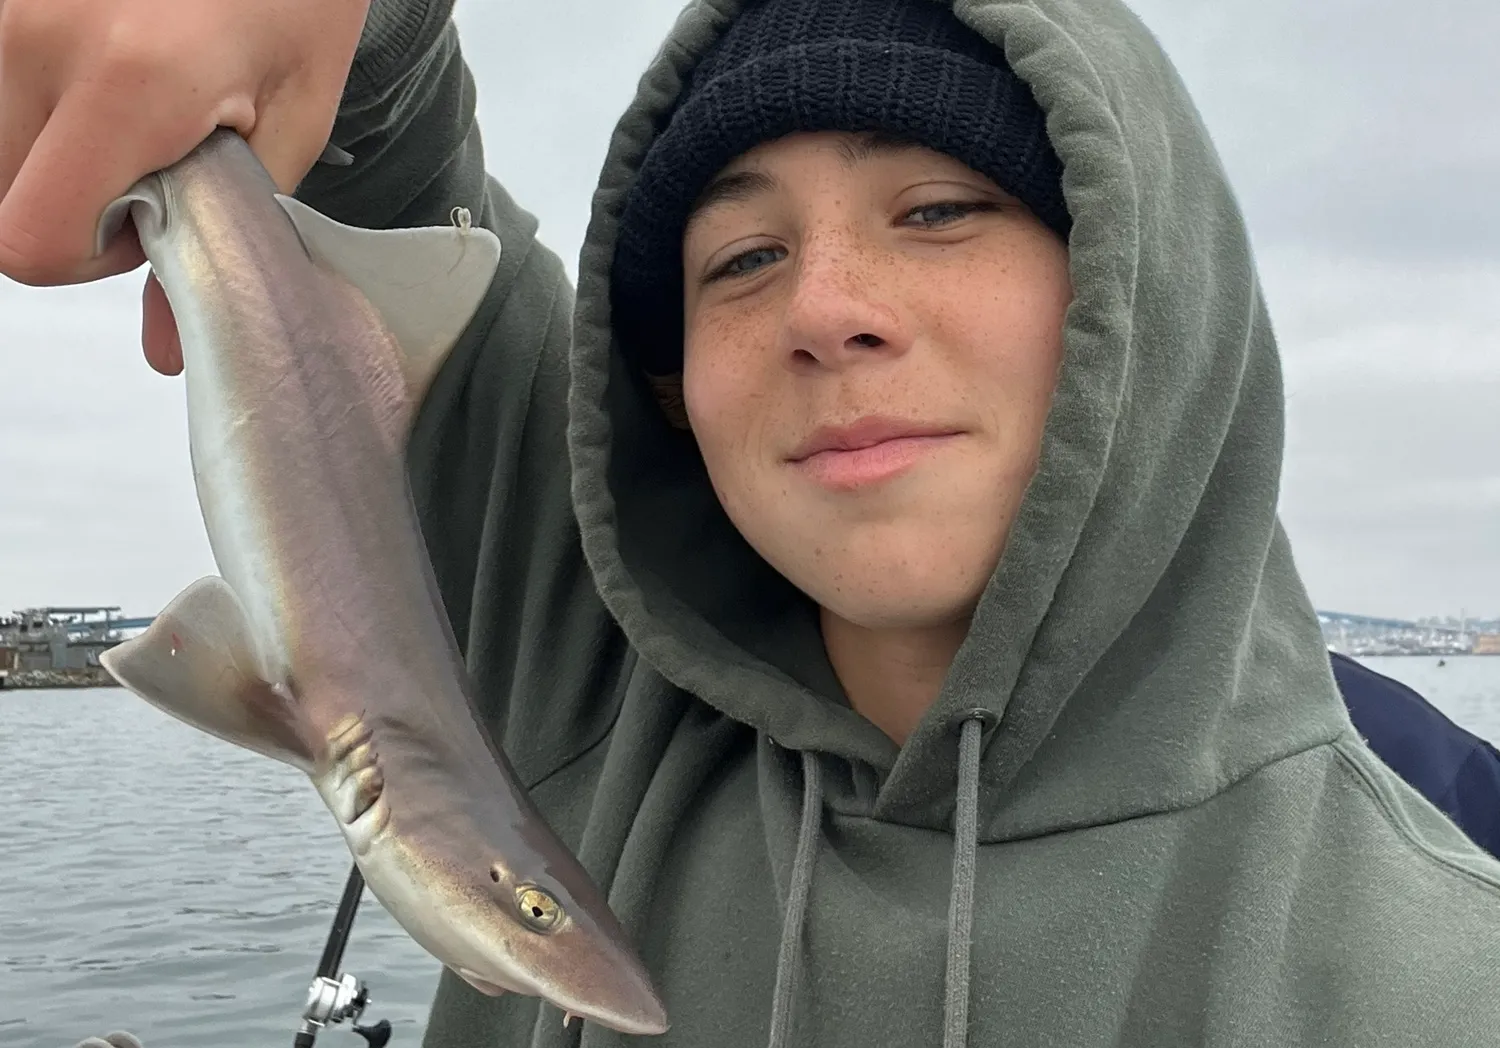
(620, 996)
(584, 976)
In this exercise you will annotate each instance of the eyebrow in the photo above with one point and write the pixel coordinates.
(872, 144)
(743, 185)
(731, 189)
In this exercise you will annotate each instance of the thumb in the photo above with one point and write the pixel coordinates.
(293, 123)
(288, 145)
(159, 337)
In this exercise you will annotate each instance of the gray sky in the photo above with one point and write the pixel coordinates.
(1364, 141)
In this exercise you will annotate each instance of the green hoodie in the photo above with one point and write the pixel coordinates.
(1170, 834)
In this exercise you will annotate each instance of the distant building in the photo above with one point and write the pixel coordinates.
(1487, 644)
(58, 647)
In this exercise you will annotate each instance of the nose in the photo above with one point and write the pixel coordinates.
(842, 309)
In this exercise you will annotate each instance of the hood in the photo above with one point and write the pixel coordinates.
(1145, 640)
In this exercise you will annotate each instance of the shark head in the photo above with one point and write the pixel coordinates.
(529, 921)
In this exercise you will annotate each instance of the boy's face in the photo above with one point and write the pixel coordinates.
(873, 334)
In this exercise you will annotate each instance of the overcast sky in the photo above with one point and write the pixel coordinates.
(1364, 141)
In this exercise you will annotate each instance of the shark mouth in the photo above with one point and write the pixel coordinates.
(482, 985)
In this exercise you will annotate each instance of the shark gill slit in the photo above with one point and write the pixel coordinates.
(359, 783)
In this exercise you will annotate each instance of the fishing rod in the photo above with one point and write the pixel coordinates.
(334, 998)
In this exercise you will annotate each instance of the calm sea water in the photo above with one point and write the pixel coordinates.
(155, 879)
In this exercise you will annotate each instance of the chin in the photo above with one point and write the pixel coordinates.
(917, 565)
(894, 609)
(900, 592)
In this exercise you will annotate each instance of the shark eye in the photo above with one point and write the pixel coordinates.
(539, 911)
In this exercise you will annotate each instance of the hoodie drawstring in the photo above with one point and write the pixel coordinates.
(960, 900)
(789, 959)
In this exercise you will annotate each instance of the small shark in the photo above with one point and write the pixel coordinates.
(307, 347)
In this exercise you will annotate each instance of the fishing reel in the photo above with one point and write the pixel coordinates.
(333, 998)
(331, 1002)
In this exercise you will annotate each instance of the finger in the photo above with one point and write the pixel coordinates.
(23, 108)
(21, 119)
(159, 337)
(295, 115)
(49, 217)
(288, 139)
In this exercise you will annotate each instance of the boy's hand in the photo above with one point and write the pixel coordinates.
(95, 94)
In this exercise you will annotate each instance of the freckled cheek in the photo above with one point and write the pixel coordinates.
(1020, 328)
(728, 401)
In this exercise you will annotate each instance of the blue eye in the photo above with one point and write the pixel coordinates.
(747, 262)
(945, 212)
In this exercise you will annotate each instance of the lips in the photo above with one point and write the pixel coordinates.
(868, 453)
(868, 432)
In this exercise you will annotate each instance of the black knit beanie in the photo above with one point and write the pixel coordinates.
(907, 68)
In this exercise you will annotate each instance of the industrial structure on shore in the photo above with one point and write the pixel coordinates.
(59, 647)
(1363, 635)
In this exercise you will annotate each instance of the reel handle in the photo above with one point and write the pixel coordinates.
(375, 1036)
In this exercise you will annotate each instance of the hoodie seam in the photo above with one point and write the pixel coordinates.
(1218, 791)
(532, 784)
(604, 733)
(1393, 818)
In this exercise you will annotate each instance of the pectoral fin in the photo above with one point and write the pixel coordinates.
(198, 662)
(426, 283)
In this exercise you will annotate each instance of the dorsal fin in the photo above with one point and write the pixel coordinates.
(426, 283)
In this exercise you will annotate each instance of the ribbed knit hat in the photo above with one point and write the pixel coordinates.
(907, 68)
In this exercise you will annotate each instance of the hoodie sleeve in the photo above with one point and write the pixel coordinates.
(488, 456)
(407, 118)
